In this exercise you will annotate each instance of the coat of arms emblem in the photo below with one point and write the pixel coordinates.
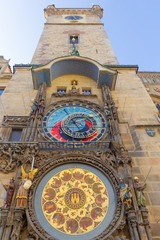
(151, 132)
(157, 89)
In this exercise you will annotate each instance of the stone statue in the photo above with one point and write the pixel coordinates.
(74, 51)
(41, 107)
(26, 182)
(107, 110)
(9, 193)
(34, 108)
(114, 110)
(125, 193)
(139, 192)
(74, 90)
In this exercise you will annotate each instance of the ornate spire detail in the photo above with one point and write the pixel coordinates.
(74, 51)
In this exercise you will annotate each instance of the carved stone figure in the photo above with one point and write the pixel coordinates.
(34, 108)
(41, 107)
(107, 110)
(125, 193)
(26, 182)
(114, 111)
(139, 192)
(9, 193)
(74, 51)
(18, 223)
(74, 90)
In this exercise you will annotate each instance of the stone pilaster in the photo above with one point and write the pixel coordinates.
(3, 221)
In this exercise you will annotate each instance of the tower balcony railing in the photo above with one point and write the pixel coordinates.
(75, 145)
(49, 145)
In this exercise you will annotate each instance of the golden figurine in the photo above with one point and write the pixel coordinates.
(74, 82)
(26, 182)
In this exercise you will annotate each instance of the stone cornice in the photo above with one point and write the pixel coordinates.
(52, 10)
(74, 23)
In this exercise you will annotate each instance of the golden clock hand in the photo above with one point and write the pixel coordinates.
(71, 119)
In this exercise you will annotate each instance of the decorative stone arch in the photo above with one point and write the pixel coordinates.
(73, 65)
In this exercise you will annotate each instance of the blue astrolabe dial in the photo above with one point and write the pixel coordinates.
(75, 125)
(73, 17)
(74, 122)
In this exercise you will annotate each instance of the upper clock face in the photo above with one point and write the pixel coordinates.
(74, 122)
(73, 17)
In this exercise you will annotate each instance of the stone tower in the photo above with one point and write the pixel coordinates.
(55, 39)
(79, 147)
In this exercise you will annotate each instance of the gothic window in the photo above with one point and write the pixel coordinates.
(15, 135)
(74, 37)
(61, 90)
(158, 107)
(1, 91)
(86, 91)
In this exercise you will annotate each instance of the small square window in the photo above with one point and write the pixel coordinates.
(1, 91)
(61, 90)
(86, 91)
(15, 135)
(158, 107)
(74, 37)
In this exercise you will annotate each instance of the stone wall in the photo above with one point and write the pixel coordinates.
(83, 82)
(136, 113)
(54, 41)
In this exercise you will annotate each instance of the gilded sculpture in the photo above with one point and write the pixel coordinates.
(26, 182)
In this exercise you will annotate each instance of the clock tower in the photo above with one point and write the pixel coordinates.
(84, 24)
(75, 137)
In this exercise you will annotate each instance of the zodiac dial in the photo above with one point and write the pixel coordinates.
(75, 201)
(74, 122)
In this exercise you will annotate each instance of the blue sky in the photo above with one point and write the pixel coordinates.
(133, 28)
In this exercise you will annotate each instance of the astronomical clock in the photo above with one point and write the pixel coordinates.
(75, 193)
(74, 122)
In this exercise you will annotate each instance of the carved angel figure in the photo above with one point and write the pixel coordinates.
(26, 182)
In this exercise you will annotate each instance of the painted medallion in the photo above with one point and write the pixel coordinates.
(151, 132)
(73, 17)
(75, 201)
(74, 122)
